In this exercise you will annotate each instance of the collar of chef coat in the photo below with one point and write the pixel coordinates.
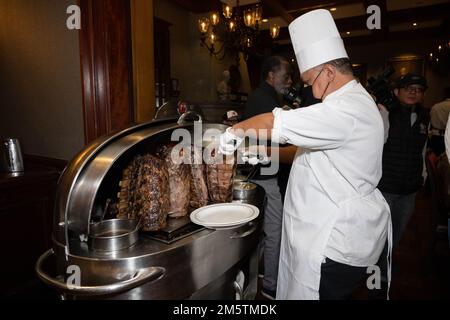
(341, 90)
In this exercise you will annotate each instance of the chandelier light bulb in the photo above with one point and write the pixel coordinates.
(258, 14)
(248, 42)
(227, 11)
(232, 26)
(249, 18)
(215, 19)
(239, 36)
(274, 31)
(203, 25)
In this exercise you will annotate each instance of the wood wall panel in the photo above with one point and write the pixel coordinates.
(106, 66)
(143, 59)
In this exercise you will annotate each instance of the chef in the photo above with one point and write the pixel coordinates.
(335, 221)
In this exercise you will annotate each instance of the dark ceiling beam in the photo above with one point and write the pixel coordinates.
(435, 12)
(297, 5)
(279, 10)
(410, 35)
(440, 11)
(199, 6)
(297, 8)
(206, 6)
(438, 33)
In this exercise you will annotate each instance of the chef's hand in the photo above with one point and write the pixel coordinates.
(229, 142)
(254, 158)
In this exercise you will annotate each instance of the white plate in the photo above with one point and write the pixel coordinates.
(224, 215)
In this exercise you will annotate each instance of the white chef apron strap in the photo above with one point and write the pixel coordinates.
(389, 256)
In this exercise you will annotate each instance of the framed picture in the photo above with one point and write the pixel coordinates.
(407, 64)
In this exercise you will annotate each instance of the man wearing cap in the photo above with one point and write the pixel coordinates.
(403, 155)
(335, 221)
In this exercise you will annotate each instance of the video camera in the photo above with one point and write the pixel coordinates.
(380, 88)
(294, 96)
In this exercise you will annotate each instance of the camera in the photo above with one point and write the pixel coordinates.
(294, 96)
(380, 88)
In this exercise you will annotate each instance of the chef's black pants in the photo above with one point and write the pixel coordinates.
(338, 281)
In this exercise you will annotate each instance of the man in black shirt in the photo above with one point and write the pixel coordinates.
(403, 154)
(406, 134)
(276, 75)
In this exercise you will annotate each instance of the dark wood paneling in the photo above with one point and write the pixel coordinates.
(106, 66)
(26, 212)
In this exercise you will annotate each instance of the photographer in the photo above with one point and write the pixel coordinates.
(406, 122)
(404, 150)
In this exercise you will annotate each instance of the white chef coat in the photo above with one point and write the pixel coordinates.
(332, 207)
(439, 114)
(447, 139)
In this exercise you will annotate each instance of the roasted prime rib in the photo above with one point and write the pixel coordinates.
(144, 193)
(154, 187)
(179, 180)
(220, 174)
(199, 187)
(128, 186)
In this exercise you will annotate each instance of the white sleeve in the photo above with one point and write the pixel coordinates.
(424, 167)
(447, 139)
(318, 127)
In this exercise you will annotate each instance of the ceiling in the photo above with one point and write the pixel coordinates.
(400, 18)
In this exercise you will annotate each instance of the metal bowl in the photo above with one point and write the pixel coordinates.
(113, 235)
(244, 190)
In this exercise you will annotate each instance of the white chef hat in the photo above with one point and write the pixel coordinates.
(316, 39)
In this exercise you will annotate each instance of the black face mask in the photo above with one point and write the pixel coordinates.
(308, 98)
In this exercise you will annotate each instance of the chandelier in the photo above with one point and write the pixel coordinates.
(238, 33)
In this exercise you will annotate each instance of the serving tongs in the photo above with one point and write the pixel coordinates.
(252, 173)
